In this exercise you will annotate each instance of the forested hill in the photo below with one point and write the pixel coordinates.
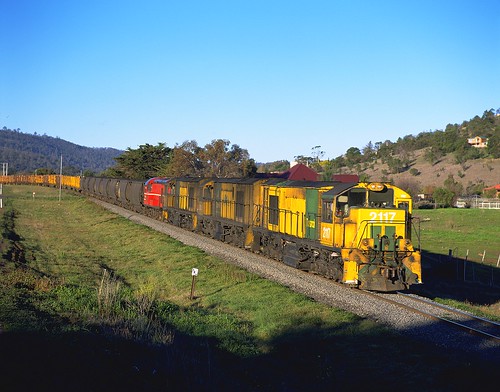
(26, 153)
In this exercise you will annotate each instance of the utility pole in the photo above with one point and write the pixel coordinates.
(5, 172)
(60, 180)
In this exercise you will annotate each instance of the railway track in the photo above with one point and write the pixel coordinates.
(456, 318)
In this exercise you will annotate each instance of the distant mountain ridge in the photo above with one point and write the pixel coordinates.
(26, 153)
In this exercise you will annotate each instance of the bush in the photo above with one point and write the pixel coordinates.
(424, 205)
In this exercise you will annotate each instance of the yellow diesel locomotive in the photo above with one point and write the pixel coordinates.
(356, 233)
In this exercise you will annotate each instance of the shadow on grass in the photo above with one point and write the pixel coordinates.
(458, 279)
(318, 359)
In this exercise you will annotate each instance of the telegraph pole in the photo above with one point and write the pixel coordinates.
(5, 172)
(60, 180)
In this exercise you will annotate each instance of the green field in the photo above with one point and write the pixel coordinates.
(465, 231)
(91, 301)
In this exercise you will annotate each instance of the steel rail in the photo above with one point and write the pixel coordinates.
(457, 324)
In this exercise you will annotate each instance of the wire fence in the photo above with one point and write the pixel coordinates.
(464, 270)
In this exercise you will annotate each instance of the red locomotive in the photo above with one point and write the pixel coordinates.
(154, 188)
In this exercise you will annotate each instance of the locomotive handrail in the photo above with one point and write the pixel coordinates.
(416, 231)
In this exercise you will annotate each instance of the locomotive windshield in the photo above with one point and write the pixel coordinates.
(381, 199)
(355, 197)
(362, 197)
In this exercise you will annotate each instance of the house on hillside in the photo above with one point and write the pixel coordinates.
(478, 142)
(494, 187)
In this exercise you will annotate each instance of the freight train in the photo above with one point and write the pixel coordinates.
(357, 233)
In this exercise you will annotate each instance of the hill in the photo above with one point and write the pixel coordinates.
(440, 159)
(26, 153)
(421, 174)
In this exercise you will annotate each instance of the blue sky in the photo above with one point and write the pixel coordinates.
(275, 77)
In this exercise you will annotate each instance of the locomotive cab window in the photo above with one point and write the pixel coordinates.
(327, 211)
(381, 199)
(273, 210)
(357, 197)
(342, 205)
(404, 204)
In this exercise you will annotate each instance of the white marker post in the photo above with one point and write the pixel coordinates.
(194, 273)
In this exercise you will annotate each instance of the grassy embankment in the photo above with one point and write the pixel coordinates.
(93, 300)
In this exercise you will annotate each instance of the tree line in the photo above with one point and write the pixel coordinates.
(219, 158)
(41, 154)
(399, 155)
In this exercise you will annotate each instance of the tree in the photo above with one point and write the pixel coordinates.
(494, 140)
(185, 160)
(409, 185)
(145, 162)
(384, 149)
(453, 186)
(331, 167)
(474, 189)
(353, 156)
(432, 155)
(276, 166)
(222, 160)
(214, 158)
(396, 165)
(443, 197)
(217, 159)
(317, 153)
(305, 160)
(369, 152)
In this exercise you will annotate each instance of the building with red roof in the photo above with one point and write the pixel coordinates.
(300, 172)
(495, 187)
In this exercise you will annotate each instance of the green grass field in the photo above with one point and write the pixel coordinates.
(461, 230)
(90, 299)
